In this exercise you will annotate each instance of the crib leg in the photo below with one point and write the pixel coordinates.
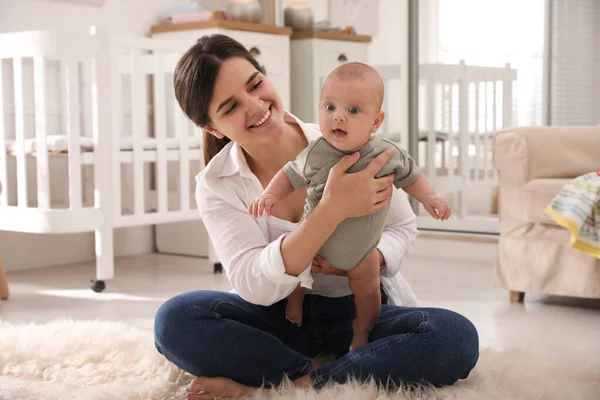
(105, 258)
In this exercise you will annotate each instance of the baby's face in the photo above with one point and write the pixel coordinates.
(348, 113)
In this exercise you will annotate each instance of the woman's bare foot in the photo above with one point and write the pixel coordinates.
(209, 388)
(293, 310)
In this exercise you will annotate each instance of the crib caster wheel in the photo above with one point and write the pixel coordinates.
(218, 268)
(97, 286)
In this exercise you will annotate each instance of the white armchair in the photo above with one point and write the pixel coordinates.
(534, 253)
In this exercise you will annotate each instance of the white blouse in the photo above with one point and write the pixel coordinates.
(250, 249)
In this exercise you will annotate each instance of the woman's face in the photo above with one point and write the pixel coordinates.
(245, 106)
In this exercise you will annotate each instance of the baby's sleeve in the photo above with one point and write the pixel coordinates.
(406, 169)
(302, 170)
(295, 170)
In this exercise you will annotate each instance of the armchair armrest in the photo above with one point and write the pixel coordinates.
(525, 153)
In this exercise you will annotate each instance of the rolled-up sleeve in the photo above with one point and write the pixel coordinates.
(399, 234)
(254, 266)
(274, 268)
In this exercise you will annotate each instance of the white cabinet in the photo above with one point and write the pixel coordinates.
(314, 55)
(270, 45)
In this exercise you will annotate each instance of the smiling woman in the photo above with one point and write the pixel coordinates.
(222, 337)
(194, 95)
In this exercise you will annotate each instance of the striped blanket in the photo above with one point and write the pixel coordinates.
(577, 208)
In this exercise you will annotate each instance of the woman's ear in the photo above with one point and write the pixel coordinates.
(378, 121)
(211, 129)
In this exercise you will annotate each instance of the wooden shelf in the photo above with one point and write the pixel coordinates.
(331, 35)
(223, 24)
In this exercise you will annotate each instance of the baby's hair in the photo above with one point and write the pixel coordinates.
(357, 70)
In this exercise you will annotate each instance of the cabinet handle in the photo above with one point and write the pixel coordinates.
(342, 58)
(254, 51)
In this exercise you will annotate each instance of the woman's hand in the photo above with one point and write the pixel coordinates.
(321, 266)
(358, 194)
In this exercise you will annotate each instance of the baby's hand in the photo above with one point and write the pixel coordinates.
(264, 204)
(437, 207)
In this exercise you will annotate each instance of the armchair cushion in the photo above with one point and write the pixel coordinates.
(537, 194)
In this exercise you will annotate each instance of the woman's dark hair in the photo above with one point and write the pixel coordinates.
(194, 81)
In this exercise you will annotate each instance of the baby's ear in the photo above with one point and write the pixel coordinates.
(211, 129)
(378, 121)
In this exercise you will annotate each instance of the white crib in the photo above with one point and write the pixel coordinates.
(99, 111)
(461, 107)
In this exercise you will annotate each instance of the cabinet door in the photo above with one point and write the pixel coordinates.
(333, 53)
(272, 51)
(268, 50)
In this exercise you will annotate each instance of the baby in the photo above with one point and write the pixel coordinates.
(349, 115)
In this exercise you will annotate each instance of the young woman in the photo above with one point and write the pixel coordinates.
(239, 340)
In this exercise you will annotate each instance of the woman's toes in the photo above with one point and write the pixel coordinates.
(198, 385)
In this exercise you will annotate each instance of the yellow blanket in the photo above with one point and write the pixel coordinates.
(577, 208)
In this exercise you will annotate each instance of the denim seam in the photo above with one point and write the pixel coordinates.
(208, 310)
(319, 378)
(422, 325)
(214, 308)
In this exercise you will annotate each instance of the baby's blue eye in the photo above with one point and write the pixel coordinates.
(330, 107)
(353, 110)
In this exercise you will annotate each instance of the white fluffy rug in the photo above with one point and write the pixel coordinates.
(110, 360)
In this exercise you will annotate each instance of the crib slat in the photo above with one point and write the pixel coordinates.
(86, 112)
(73, 133)
(160, 129)
(445, 126)
(138, 99)
(182, 131)
(3, 181)
(43, 171)
(450, 129)
(477, 133)
(116, 127)
(20, 133)
(486, 150)
(463, 129)
(86, 98)
(495, 109)
(507, 97)
(431, 136)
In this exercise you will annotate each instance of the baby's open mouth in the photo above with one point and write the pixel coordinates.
(338, 132)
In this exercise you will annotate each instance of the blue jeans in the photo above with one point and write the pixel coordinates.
(208, 333)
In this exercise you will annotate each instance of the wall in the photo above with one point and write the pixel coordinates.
(391, 47)
(120, 16)
(129, 17)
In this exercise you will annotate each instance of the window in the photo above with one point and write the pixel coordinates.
(493, 33)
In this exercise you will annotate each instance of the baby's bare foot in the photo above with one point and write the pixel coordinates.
(293, 312)
(210, 388)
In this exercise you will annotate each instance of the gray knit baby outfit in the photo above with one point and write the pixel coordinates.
(355, 238)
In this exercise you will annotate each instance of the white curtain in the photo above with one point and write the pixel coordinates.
(575, 62)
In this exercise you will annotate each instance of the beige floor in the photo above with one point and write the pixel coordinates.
(543, 324)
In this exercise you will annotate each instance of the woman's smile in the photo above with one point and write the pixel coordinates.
(263, 120)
